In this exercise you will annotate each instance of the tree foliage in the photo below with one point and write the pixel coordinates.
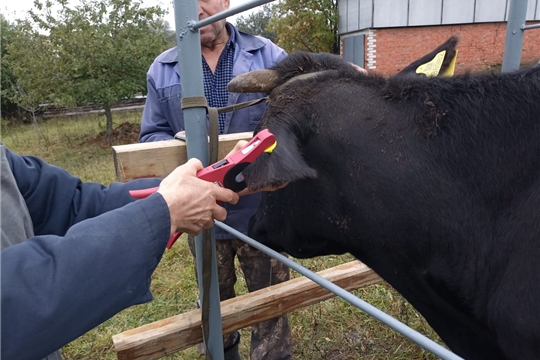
(8, 84)
(27, 54)
(96, 52)
(310, 25)
(256, 23)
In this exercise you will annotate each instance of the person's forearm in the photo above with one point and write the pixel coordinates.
(55, 289)
(56, 199)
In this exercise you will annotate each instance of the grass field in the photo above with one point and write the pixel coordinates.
(330, 330)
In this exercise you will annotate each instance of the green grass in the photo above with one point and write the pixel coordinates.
(332, 329)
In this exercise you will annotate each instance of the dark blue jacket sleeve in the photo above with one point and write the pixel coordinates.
(57, 200)
(92, 257)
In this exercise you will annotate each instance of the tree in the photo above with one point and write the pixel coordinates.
(170, 34)
(256, 23)
(8, 84)
(310, 25)
(96, 52)
(30, 85)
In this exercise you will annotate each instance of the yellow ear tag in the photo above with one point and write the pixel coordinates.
(271, 147)
(450, 70)
(433, 67)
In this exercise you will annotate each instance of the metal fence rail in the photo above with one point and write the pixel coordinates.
(383, 317)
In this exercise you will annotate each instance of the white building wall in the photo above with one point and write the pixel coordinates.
(357, 15)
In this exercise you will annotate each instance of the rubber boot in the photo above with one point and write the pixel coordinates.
(231, 352)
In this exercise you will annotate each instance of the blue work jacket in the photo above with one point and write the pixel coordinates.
(92, 255)
(163, 117)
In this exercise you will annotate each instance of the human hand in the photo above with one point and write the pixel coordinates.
(192, 202)
(359, 68)
(181, 135)
(239, 145)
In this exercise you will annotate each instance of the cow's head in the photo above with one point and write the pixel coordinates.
(308, 125)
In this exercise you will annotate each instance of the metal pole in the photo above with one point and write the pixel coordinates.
(191, 78)
(403, 329)
(514, 35)
(535, 26)
(230, 12)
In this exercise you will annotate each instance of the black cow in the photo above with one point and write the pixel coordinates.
(432, 182)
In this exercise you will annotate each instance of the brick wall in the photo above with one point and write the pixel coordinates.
(481, 46)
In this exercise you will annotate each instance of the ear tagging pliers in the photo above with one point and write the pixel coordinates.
(226, 173)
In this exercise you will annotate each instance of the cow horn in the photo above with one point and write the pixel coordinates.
(257, 81)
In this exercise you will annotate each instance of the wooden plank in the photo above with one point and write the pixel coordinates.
(163, 337)
(159, 158)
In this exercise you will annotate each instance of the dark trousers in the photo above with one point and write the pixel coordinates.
(271, 339)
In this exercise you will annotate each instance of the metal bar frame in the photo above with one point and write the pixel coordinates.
(515, 28)
(191, 78)
(529, 27)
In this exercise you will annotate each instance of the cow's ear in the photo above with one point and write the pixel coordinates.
(283, 165)
(439, 62)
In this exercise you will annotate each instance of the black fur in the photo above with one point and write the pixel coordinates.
(434, 183)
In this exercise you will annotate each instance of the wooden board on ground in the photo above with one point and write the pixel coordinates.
(158, 159)
(163, 337)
